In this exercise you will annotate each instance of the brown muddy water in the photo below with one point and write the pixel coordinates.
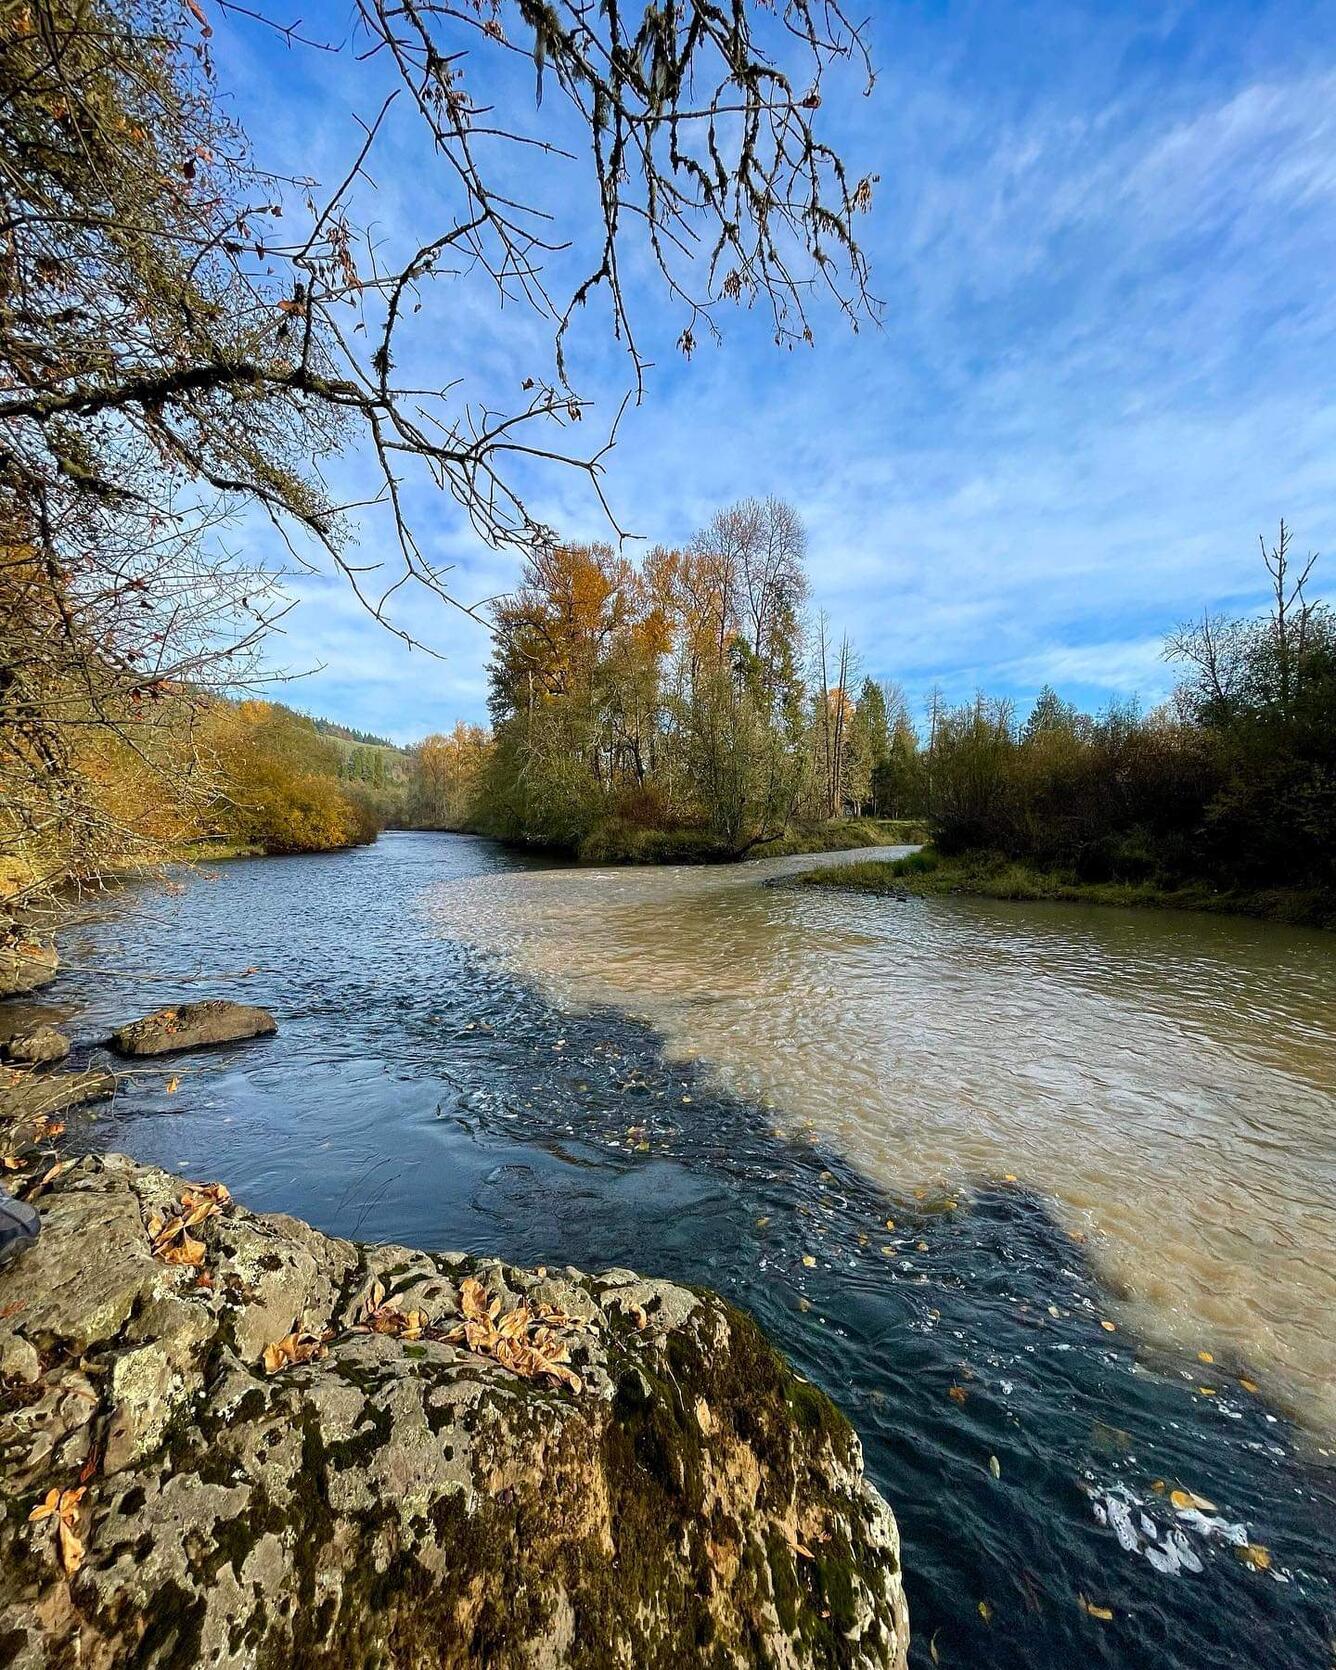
(1169, 1080)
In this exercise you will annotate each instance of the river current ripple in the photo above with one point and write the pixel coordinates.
(1043, 1197)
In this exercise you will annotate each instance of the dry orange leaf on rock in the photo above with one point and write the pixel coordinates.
(294, 1348)
(172, 1242)
(524, 1340)
(64, 1506)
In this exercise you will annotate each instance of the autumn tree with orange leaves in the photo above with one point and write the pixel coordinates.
(187, 339)
(669, 696)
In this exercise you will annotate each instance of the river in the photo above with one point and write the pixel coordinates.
(1044, 1196)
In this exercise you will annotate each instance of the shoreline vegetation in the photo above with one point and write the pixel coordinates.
(927, 874)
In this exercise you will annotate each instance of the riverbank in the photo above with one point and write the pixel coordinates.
(617, 844)
(988, 876)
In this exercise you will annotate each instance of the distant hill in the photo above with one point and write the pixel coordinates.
(345, 733)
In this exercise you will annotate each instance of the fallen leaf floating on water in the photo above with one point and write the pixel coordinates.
(1108, 1327)
(957, 1394)
(1205, 1357)
(994, 1466)
(1103, 1613)
(64, 1505)
(294, 1348)
(985, 1612)
(1186, 1500)
(173, 1085)
(809, 1261)
(1248, 1385)
(1254, 1555)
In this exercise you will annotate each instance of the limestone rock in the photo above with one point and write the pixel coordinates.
(406, 1498)
(188, 1026)
(26, 963)
(26, 1096)
(37, 1047)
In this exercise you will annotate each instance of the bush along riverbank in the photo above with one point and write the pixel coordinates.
(229, 1438)
(619, 843)
(994, 876)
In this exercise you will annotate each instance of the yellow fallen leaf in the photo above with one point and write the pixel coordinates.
(809, 1261)
(890, 1223)
(1207, 1391)
(1108, 1327)
(1104, 1613)
(184, 1251)
(957, 1394)
(173, 1085)
(1254, 1555)
(985, 1611)
(292, 1349)
(1248, 1385)
(1186, 1500)
(71, 1549)
(1205, 1357)
(64, 1504)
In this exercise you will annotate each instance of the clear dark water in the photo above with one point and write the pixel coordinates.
(419, 1092)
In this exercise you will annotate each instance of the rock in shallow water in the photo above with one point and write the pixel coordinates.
(188, 1026)
(405, 1498)
(37, 1046)
(26, 1095)
(25, 963)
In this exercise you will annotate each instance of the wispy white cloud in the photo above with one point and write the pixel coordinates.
(1103, 236)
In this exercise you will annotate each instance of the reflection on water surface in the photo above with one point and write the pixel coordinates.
(480, 1053)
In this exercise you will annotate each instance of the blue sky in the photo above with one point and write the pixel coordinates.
(1105, 237)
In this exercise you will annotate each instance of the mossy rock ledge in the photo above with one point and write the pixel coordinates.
(407, 1501)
